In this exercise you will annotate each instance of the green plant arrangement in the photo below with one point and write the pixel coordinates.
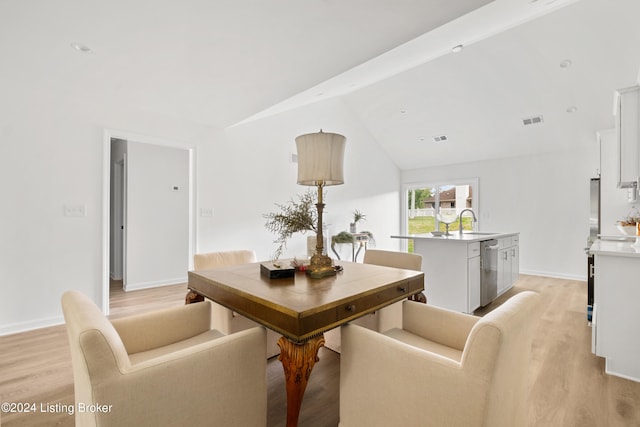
(357, 217)
(342, 237)
(294, 217)
(346, 237)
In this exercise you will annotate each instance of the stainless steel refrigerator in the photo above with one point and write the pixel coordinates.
(594, 232)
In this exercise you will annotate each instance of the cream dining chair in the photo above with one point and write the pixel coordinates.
(443, 368)
(391, 316)
(164, 368)
(228, 321)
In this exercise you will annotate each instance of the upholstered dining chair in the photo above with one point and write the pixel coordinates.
(226, 320)
(164, 368)
(391, 316)
(442, 368)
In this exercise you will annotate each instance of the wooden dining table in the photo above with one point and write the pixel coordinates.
(302, 308)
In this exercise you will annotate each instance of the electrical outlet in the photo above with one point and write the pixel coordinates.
(206, 212)
(75, 210)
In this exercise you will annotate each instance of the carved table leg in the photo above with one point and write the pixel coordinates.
(193, 297)
(419, 297)
(297, 360)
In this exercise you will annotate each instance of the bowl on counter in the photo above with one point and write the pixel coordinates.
(437, 233)
(627, 230)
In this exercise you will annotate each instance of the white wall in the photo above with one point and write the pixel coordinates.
(545, 197)
(55, 156)
(50, 158)
(157, 224)
(614, 201)
(244, 171)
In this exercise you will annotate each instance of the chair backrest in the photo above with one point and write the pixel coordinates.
(219, 259)
(96, 348)
(499, 345)
(404, 260)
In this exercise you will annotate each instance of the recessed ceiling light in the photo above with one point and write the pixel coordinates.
(457, 49)
(566, 63)
(81, 48)
(403, 111)
(572, 109)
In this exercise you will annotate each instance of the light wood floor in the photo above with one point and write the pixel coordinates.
(568, 386)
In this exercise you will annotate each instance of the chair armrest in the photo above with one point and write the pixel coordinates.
(147, 331)
(437, 324)
(223, 378)
(402, 380)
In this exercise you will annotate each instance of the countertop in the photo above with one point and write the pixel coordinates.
(468, 237)
(616, 248)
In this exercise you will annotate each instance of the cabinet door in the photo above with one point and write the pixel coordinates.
(473, 281)
(627, 122)
(515, 264)
(504, 270)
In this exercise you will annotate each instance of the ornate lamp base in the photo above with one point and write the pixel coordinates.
(321, 266)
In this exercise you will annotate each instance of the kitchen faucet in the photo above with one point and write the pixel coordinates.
(463, 211)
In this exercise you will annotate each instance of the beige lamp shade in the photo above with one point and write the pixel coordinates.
(320, 158)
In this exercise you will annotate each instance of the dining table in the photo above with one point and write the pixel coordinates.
(302, 308)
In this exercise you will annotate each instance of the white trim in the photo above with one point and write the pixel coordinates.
(108, 134)
(156, 283)
(613, 372)
(580, 278)
(30, 325)
(106, 217)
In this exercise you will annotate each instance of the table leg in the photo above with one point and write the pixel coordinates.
(419, 297)
(192, 297)
(297, 360)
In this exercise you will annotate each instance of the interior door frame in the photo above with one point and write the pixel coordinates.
(108, 135)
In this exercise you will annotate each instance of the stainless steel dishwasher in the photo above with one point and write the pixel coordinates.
(488, 271)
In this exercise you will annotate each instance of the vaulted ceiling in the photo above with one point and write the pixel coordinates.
(219, 63)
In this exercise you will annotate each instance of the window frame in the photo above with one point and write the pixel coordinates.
(475, 205)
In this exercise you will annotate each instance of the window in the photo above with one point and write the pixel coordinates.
(429, 206)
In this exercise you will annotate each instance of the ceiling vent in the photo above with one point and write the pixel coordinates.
(532, 120)
(440, 139)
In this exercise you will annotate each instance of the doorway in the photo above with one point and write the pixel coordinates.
(148, 223)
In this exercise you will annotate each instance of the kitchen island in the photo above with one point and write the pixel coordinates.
(616, 319)
(458, 276)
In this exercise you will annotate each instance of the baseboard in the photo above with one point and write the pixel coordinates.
(154, 284)
(15, 328)
(556, 275)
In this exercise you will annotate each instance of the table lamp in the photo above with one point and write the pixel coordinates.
(320, 161)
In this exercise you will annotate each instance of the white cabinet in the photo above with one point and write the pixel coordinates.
(508, 263)
(452, 267)
(628, 136)
(515, 262)
(451, 273)
(473, 283)
(616, 318)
